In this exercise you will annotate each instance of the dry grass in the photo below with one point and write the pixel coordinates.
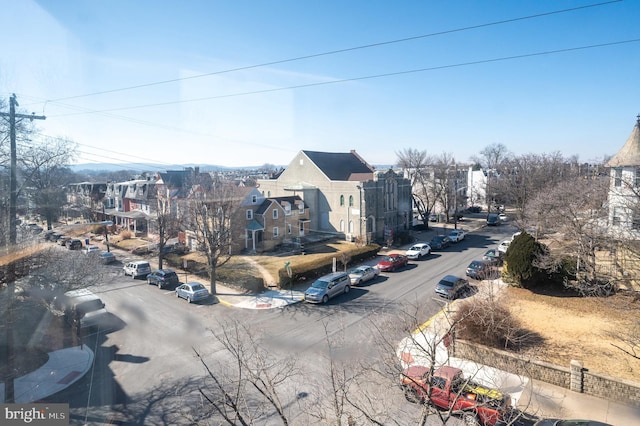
(579, 328)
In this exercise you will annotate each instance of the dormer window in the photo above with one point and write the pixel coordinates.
(254, 199)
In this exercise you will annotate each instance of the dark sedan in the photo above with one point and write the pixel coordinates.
(479, 270)
(163, 278)
(440, 242)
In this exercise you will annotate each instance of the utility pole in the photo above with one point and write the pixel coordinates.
(9, 395)
(13, 185)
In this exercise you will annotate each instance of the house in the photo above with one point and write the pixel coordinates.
(624, 187)
(131, 204)
(345, 195)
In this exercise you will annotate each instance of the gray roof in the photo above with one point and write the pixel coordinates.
(341, 165)
(629, 154)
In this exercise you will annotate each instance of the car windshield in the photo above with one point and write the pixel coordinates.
(357, 271)
(444, 283)
(389, 259)
(320, 284)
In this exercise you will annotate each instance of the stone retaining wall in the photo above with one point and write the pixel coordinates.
(576, 377)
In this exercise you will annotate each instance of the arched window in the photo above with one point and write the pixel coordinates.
(350, 200)
(351, 227)
(342, 200)
(342, 226)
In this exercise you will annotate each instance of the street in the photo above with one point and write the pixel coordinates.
(145, 370)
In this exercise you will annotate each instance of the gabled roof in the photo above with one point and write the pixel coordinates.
(629, 154)
(341, 165)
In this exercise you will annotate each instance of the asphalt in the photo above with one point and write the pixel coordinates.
(66, 366)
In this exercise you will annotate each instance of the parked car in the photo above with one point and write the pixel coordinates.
(192, 292)
(63, 240)
(433, 217)
(362, 274)
(418, 250)
(107, 257)
(451, 286)
(492, 256)
(163, 278)
(448, 389)
(91, 250)
(328, 286)
(559, 422)
(440, 242)
(74, 244)
(504, 246)
(140, 268)
(503, 217)
(479, 270)
(392, 262)
(493, 219)
(474, 209)
(457, 235)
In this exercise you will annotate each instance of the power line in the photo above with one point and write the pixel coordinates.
(391, 74)
(348, 49)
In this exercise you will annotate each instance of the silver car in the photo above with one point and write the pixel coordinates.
(192, 291)
(328, 286)
(363, 274)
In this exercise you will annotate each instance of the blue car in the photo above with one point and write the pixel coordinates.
(192, 292)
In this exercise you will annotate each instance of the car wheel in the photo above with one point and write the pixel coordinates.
(470, 419)
(159, 284)
(177, 295)
(325, 299)
(189, 299)
(411, 395)
(346, 289)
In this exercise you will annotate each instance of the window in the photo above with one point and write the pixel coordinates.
(289, 229)
(342, 226)
(341, 200)
(351, 227)
(287, 208)
(637, 180)
(275, 213)
(254, 199)
(301, 208)
(635, 221)
(350, 200)
(617, 177)
(616, 219)
(249, 214)
(276, 233)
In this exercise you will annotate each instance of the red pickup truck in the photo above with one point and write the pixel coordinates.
(447, 389)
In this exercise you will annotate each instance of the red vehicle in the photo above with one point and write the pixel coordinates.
(449, 390)
(392, 262)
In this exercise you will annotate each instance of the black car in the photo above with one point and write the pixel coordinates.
(163, 278)
(440, 242)
(492, 256)
(493, 219)
(479, 270)
(74, 244)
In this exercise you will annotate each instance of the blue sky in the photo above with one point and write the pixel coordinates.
(580, 102)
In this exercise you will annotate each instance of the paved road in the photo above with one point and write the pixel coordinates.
(145, 366)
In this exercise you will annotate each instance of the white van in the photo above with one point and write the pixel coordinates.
(140, 268)
(83, 308)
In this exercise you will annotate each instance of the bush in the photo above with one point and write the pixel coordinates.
(519, 266)
(126, 234)
(490, 323)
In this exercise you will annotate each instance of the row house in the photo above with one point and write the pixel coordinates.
(345, 195)
(131, 204)
(85, 198)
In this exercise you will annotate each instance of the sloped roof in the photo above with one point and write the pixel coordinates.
(629, 154)
(341, 165)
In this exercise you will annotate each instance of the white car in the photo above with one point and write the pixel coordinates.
(504, 246)
(503, 217)
(457, 235)
(418, 250)
(363, 274)
(91, 249)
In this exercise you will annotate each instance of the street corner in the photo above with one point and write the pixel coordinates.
(270, 299)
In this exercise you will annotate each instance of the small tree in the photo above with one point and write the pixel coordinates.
(520, 261)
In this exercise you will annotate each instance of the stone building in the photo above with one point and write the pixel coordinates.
(345, 195)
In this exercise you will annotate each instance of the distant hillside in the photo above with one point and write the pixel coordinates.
(88, 168)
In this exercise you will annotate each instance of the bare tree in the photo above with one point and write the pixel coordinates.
(168, 226)
(418, 167)
(251, 383)
(212, 207)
